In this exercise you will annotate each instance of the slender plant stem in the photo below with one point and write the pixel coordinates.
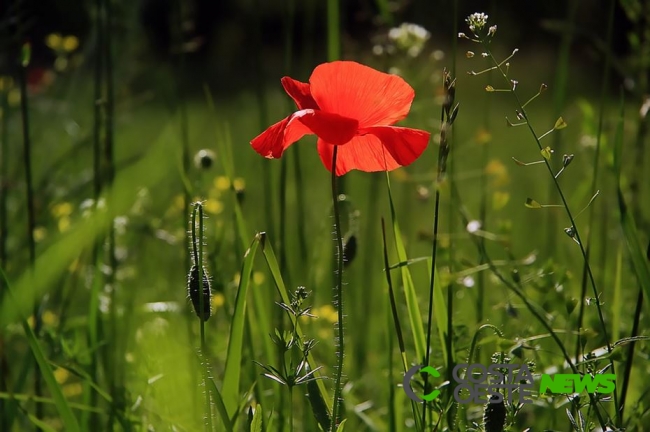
(562, 197)
(434, 250)
(31, 212)
(4, 165)
(109, 158)
(620, 415)
(596, 163)
(93, 316)
(338, 295)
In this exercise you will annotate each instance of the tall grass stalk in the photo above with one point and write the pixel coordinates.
(93, 305)
(596, 165)
(4, 180)
(31, 212)
(109, 160)
(449, 101)
(398, 331)
(338, 297)
(447, 116)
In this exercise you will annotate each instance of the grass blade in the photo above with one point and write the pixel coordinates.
(232, 372)
(409, 288)
(67, 418)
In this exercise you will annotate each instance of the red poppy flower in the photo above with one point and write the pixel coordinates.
(352, 106)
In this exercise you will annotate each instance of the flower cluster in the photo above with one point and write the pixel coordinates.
(409, 37)
(476, 23)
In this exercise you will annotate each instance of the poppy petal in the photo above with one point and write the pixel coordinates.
(333, 128)
(277, 138)
(299, 92)
(404, 144)
(356, 91)
(380, 149)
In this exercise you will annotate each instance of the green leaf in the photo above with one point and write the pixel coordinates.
(341, 426)
(221, 407)
(232, 372)
(412, 302)
(440, 312)
(531, 203)
(256, 424)
(560, 124)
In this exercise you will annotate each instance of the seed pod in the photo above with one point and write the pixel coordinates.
(349, 250)
(494, 416)
(195, 295)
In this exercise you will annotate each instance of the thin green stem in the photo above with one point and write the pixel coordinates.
(4, 168)
(114, 350)
(564, 203)
(338, 295)
(596, 163)
(31, 212)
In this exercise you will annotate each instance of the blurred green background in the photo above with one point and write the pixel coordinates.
(199, 75)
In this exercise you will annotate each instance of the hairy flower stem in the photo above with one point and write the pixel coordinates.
(197, 256)
(338, 295)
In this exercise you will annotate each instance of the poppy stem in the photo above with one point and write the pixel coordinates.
(338, 295)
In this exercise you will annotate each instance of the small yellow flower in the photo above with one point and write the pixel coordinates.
(222, 183)
(72, 390)
(50, 318)
(326, 312)
(39, 233)
(217, 301)
(213, 206)
(239, 184)
(237, 278)
(61, 209)
(258, 278)
(54, 41)
(61, 375)
(70, 43)
(64, 224)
